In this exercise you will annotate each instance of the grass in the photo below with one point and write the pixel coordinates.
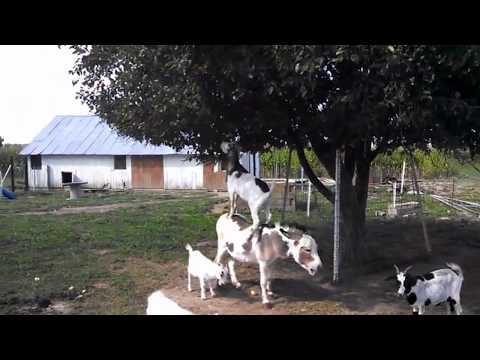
(63, 250)
(121, 256)
(54, 200)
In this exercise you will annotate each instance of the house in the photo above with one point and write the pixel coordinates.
(84, 148)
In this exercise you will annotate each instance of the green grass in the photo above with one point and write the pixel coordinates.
(54, 200)
(61, 250)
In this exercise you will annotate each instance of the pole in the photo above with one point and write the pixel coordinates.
(419, 198)
(308, 197)
(301, 175)
(13, 174)
(26, 175)
(394, 194)
(336, 233)
(286, 184)
(453, 187)
(403, 177)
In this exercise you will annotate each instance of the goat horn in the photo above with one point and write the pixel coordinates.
(396, 269)
(408, 268)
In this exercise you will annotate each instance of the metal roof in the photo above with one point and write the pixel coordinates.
(88, 135)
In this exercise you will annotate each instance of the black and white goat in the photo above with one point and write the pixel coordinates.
(240, 183)
(434, 288)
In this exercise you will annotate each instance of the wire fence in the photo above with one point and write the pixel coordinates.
(438, 198)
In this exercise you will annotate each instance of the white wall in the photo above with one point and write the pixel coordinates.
(96, 170)
(181, 174)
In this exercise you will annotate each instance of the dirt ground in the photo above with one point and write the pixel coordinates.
(363, 291)
(400, 242)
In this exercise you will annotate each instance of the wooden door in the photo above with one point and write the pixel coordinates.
(147, 172)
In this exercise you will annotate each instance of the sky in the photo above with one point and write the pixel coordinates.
(35, 86)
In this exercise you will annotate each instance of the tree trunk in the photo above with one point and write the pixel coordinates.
(353, 207)
(353, 200)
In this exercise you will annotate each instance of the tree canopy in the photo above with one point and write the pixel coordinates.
(363, 99)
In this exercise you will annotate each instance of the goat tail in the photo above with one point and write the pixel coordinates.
(456, 269)
(189, 248)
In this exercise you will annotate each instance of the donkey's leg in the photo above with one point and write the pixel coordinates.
(268, 274)
(264, 281)
(233, 276)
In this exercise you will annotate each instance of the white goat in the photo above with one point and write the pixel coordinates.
(434, 288)
(241, 184)
(159, 304)
(208, 272)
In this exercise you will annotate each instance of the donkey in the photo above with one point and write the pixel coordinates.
(240, 241)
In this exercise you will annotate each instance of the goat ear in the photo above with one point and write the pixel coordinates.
(390, 278)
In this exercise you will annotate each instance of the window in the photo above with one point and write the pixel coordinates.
(36, 162)
(66, 177)
(120, 162)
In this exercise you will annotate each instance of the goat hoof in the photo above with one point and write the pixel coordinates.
(268, 305)
(238, 285)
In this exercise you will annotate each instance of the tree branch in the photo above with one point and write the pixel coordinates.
(308, 170)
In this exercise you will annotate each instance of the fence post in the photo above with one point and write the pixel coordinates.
(403, 177)
(308, 197)
(286, 184)
(26, 174)
(12, 174)
(301, 175)
(336, 231)
(394, 194)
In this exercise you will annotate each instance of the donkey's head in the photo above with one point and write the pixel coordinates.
(302, 247)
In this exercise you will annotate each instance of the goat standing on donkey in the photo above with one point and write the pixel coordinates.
(242, 184)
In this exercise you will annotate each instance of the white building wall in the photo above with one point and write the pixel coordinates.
(97, 170)
(181, 174)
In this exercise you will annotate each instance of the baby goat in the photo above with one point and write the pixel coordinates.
(159, 304)
(208, 272)
(241, 184)
(434, 288)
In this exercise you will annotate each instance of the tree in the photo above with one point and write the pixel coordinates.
(365, 100)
